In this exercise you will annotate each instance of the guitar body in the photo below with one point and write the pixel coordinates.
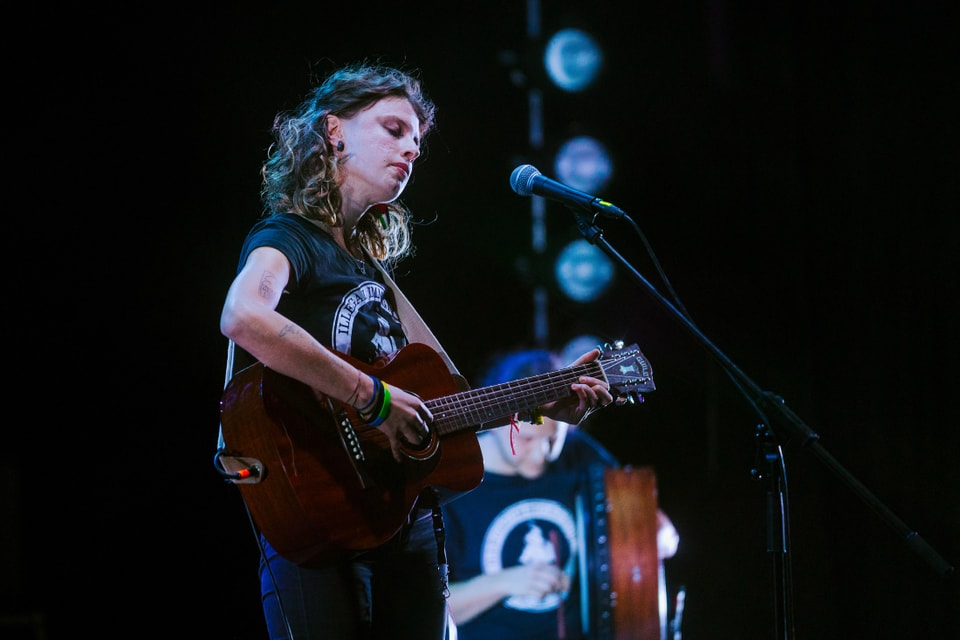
(327, 484)
(320, 483)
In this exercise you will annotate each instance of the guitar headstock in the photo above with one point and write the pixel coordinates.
(628, 371)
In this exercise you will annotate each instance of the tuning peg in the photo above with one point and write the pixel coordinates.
(616, 345)
(628, 399)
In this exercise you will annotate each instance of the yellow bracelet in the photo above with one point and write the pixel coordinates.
(536, 415)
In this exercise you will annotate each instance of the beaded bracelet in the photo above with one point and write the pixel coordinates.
(384, 408)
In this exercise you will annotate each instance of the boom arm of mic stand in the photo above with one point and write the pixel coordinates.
(771, 402)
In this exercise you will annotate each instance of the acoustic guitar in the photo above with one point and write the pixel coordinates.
(319, 482)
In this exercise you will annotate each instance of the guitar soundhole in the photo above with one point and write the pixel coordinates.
(424, 450)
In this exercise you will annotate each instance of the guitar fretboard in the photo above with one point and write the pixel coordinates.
(472, 408)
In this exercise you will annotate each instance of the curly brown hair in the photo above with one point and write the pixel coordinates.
(300, 174)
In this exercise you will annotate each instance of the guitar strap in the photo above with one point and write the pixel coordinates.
(418, 331)
(230, 352)
(415, 327)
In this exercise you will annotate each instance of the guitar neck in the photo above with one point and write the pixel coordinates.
(472, 409)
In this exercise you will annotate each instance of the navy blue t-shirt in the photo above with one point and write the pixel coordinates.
(340, 300)
(510, 520)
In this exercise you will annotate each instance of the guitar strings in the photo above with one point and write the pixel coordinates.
(497, 401)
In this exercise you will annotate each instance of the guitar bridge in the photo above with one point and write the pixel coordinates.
(351, 445)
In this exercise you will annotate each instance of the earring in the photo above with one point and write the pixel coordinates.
(340, 145)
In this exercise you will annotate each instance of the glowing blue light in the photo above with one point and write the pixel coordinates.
(583, 163)
(583, 271)
(572, 59)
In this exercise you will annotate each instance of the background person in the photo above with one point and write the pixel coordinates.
(509, 540)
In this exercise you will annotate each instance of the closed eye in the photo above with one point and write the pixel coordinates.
(397, 130)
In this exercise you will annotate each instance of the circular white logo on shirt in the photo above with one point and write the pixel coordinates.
(369, 293)
(531, 532)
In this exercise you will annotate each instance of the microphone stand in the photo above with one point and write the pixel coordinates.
(770, 404)
(778, 524)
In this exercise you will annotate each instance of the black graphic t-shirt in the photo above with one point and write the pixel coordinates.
(340, 300)
(510, 520)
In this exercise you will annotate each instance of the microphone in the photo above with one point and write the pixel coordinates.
(527, 181)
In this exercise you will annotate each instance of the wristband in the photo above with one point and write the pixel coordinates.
(384, 407)
(377, 391)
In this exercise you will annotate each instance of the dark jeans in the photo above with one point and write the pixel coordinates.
(394, 591)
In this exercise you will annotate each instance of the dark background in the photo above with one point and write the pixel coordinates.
(793, 165)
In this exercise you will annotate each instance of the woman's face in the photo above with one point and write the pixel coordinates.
(380, 145)
(534, 446)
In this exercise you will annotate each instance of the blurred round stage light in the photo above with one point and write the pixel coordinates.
(583, 163)
(572, 59)
(583, 271)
